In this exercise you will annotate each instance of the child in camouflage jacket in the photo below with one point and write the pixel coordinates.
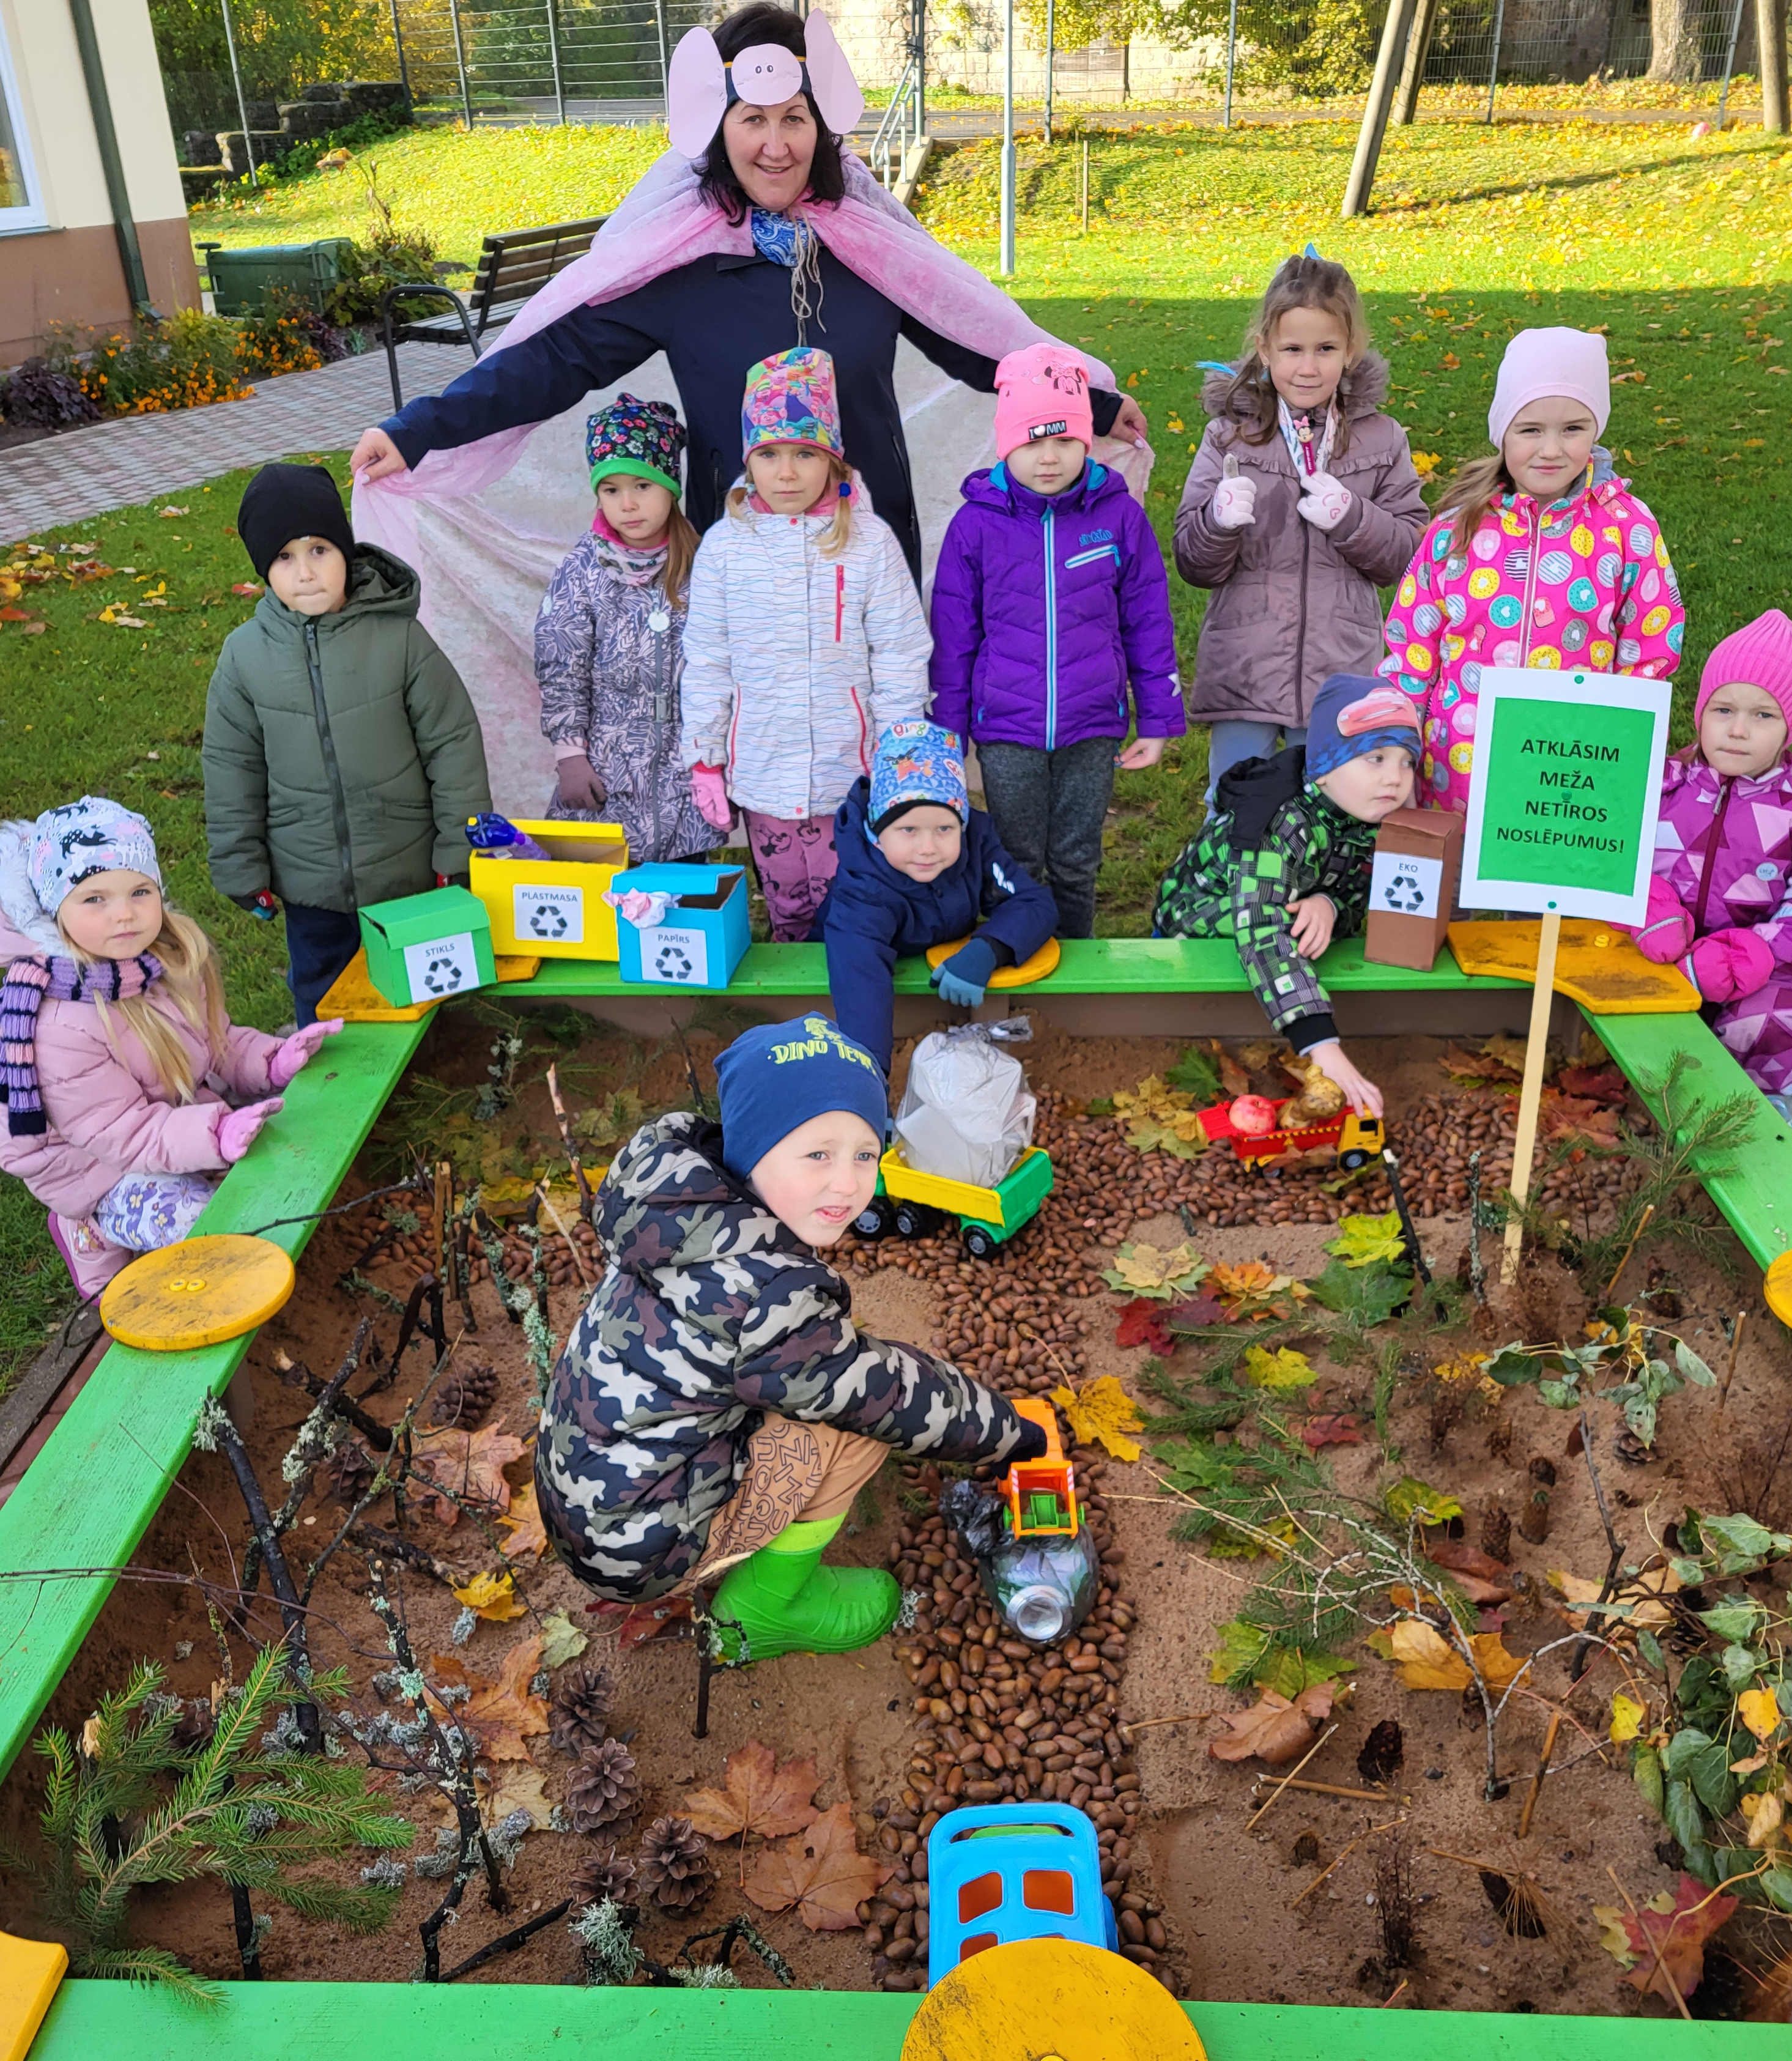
(716, 1410)
(1283, 866)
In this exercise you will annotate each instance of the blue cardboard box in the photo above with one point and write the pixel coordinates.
(701, 939)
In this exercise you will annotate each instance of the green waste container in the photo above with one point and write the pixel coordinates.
(242, 279)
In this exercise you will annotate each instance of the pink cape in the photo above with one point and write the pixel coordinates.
(485, 547)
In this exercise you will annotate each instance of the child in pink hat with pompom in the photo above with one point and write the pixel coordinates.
(1721, 901)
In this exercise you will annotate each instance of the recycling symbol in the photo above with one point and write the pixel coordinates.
(1404, 896)
(672, 963)
(547, 919)
(443, 976)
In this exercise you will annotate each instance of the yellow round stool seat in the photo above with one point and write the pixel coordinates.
(1778, 1287)
(1043, 961)
(197, 1293)
(1049, 2000)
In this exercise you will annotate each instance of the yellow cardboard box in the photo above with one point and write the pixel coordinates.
(555, 910)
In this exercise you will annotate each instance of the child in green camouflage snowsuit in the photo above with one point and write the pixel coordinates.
(1283, 865)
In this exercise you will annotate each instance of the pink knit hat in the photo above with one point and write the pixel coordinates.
(1539, 362)
(1758, 655)
(1041, 391)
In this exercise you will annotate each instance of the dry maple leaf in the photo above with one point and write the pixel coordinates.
(1571, 1116)
(504, 1712)
(471, 1463)
(1142, 1323)
(493, 1597)
(1481, 1578)
(1602, 1084)
(528, 1534)
(1273, 1729)
(516, 1785)
(1103, 1410)
(821, 1871)
(1330, 1430)
(1427, 1660)
(756, 1796)
(1680, 1934)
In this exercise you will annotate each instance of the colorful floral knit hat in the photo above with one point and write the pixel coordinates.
(790, 399)
(643, 438)
(916, 763)
(92, 835)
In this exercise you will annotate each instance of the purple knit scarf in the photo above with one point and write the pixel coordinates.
(28, 981)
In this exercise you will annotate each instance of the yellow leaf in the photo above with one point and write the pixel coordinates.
(492, 1597)
(1766, 1814)
(1284, 1368)
(1612, 1935)
(1639, 1591)
(516, 1785)
(528, 1534)
(1759, 1710)
(1102, 1411)
(1626, 1718)
(1427, 1660)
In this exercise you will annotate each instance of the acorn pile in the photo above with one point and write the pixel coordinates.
(998, 1721)
(1440, 1131)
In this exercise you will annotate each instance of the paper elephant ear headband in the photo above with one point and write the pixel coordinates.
(701, 87)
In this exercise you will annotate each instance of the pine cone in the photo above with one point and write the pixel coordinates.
(463, 1396)
(674, 1865)
(603, 1877)
(1496, 1532)
(604, 1793)
(347, 1471)
(576, 1718)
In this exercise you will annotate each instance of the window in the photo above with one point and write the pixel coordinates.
(21, 198)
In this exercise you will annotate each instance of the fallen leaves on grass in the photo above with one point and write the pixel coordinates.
(470, 1463)
(1282, 1368)
(821, 1871)
(1149, 1271)
(1102, 1410)
(1332, 1429)
(1427, 1660)
(1361, 1241)
(504, 1712)
(756, 1796)
(1143, 1323)
(1274, 1730)
(1679, 1931)
(493, 1597)
(246, 587)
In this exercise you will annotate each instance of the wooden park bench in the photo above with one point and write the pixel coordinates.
(512, 265)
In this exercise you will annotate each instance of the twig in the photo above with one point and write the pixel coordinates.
(280, 1580)
(508, 1942)
(585, 1197)
(560, 1226)
(1406, 1983)
(1730, 1370)
(1668, 1983)
(1145, 1724)
(463, 1268)
(1269, 1802)
(1550, 1731)
(1421, 1273)
(374, 1540)
(1642, 1225)
(1344, 1852)
(1327, 1789)
(1478, 1266)
(1612, 1541)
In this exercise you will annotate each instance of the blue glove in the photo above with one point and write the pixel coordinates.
(963, 978)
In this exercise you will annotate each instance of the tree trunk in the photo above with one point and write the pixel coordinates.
(1673, 40)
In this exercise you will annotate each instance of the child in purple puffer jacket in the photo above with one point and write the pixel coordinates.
(1049, 605)
(1721, 900)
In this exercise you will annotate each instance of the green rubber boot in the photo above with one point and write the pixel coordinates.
(787, 1603)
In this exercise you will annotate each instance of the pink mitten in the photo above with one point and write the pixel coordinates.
(710, 790)
(241, 1128)
(1326, 502)
(297, 1050)
(1665, 934)
(1729, 965)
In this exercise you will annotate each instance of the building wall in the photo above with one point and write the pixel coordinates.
(71, 271)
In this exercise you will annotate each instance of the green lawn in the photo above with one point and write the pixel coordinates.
(1682, 251)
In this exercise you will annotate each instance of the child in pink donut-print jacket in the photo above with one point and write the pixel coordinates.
(1720, 903)
(1539, 556)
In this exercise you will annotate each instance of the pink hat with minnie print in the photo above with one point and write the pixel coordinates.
(1540, 362)
(1041, 391)
(1759, 654)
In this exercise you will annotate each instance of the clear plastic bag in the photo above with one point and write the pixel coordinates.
(967, 1113)
(1043, 1587)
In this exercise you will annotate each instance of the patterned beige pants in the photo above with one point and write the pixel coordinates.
(794, 1471)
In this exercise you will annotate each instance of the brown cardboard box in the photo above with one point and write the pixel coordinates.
(1418, 862)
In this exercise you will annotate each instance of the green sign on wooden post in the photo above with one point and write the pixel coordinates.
(1564, 792)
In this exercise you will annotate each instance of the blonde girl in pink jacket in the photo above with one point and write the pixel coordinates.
(1539, 555)
(118, 1062)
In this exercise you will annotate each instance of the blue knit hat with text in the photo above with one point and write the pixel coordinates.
(917, 763)
(1353, 716)
(775, 1076)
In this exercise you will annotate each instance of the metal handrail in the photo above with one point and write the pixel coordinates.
(891, 143)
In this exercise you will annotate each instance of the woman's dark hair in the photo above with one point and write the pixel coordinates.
(763, 23)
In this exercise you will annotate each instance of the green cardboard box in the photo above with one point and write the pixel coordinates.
(426, 947)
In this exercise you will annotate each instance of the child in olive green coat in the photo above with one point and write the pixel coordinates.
(342, 756)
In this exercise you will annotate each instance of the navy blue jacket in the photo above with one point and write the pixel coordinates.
(713, 318)
(873, 915)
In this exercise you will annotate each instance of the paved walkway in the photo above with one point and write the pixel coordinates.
(138, 457)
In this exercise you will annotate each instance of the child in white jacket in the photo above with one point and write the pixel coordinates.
(803, 641)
